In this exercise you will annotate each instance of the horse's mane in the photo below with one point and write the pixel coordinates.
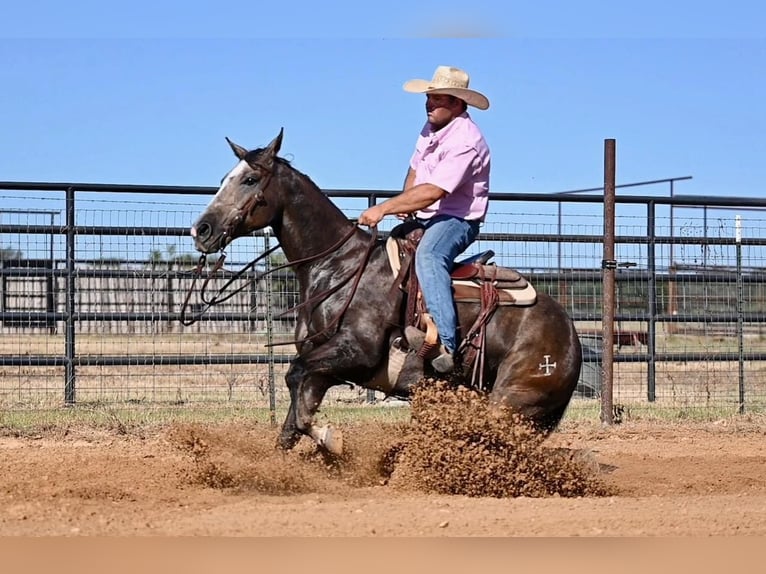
(253, 155)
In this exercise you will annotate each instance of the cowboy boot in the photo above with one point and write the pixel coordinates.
(440, 357)
(444, 362)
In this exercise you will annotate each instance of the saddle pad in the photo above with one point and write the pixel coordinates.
(394, 256)
(470, 292)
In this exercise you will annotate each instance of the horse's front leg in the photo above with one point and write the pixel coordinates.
(343, 358)
(307, 390)
(289, 435)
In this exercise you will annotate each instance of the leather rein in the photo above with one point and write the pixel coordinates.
(221, 295)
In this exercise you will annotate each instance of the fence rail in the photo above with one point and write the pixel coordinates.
(92, 279)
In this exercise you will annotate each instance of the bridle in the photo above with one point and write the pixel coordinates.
(255, 199)
(221, 295)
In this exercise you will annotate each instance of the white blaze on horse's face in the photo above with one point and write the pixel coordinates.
(235, 174)
(213, 228)
(231, 211)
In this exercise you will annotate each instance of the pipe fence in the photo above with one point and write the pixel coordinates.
(92, 278)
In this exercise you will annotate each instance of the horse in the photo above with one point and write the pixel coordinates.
(349, 317)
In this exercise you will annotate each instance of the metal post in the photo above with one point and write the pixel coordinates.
(651, 333)
(558, 243)
(609, 267)
(672, 194)
(270, 330)
(740, 317)
(561, 293)
(69, 330)
(370, 398)
(705, 290)
(50, 299)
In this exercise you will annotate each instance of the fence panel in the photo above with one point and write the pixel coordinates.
(689, 327)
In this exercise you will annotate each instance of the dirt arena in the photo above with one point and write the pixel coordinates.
(633, 479)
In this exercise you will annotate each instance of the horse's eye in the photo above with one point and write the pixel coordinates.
(250, 181)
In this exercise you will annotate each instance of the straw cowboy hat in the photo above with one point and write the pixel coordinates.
(451, 81)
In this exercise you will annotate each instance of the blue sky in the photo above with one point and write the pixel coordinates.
(146, 93)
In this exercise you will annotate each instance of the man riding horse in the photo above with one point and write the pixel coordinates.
(447, 187)
(352, 311)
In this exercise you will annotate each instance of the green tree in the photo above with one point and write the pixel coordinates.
(8, 253)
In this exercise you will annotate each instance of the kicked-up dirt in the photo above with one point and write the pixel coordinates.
(455, 472)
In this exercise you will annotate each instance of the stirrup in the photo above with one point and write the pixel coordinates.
(441, 359)
(416, 339)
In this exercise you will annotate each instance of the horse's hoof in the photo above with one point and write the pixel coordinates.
(331, 439)
(287, 441)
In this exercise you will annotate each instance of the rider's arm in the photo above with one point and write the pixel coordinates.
(409, 201)
(413, 198)
(409, 180)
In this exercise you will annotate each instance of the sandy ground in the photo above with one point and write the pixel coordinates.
(656, 479)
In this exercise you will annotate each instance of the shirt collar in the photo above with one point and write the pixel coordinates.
(436, 136)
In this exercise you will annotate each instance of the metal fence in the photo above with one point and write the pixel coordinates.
(92, 278)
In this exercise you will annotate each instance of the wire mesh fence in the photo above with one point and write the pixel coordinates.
(92, 280)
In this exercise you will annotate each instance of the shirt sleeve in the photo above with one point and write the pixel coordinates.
(453, 168)
(415, 158)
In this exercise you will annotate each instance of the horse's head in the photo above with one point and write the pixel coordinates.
(244, 202)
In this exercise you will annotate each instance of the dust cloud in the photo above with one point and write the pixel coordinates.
(456, 443)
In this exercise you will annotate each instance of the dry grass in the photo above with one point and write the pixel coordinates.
(139, 344)
(680, 387)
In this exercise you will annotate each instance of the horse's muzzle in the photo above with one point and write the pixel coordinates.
(202, 233)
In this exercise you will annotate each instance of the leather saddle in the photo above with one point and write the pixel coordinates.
(468, 275)
(473, 280)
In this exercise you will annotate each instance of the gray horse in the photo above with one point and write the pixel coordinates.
(350, 316)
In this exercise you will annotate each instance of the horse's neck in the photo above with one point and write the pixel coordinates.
(310, 222)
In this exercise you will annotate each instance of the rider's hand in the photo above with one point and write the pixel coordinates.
(371, 216)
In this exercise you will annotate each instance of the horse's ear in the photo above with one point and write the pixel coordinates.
(238, 150)
(276, 143)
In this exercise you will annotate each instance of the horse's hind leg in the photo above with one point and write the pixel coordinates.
(539, 398)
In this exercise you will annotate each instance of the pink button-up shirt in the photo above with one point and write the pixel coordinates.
(456, 159)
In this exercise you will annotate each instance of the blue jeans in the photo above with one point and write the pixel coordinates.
(444, 239)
